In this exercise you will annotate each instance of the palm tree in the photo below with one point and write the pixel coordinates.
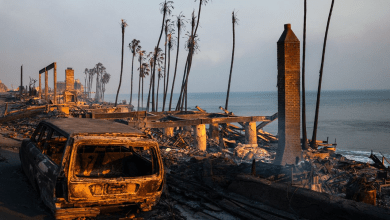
(91, 73)
(151, 61)
(314, 138)
(99, 70)
(134, 48)
(189, 42)
(179, 24)
(159, 62)
(141, 57)
(85, 84)
(193, 47)
(123, 26)
(170, 47)
(167, 31)
(304, 133)
(234, 22)
(165, 8)
(160, 75)
(145, 71)
(104, 80)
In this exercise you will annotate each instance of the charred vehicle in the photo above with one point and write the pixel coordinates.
(80, 166)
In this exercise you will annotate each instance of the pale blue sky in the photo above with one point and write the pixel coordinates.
(80, 34)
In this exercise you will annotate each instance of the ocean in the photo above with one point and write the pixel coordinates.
(359, 121)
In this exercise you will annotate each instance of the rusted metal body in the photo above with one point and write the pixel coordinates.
(80, 166)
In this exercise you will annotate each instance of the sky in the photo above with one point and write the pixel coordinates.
(80, 34)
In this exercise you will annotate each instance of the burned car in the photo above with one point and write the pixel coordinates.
(80, 166)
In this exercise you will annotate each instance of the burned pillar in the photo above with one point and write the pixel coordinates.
(40, 87)
(288, 52)
(214, 131)
(55, 83)
(21, 81)
(200, 137)
(69, 79)
(46, 85)
(250, 133)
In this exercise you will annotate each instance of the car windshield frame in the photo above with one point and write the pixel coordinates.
(127, 142)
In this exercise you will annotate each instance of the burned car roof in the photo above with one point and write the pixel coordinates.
(72, 126)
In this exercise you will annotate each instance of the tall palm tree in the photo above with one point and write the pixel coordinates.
(145, 72)
(193, 47)
(91, 73)
(123, 26)
(234, 22)
(99, 70)
(134, 48)
(104, 80)
(170, 47)
(179, 24)
(141, 57)
(85, 84)
(188, 46)
(304, 133)
(159, 62)
(160, 75)
(166, 9)
(165, 52)
(167, 31)
(314, 137)
(151, 62)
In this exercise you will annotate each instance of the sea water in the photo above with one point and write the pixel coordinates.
(359, 121)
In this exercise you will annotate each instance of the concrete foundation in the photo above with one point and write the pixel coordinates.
(250, 133)
(200, 137)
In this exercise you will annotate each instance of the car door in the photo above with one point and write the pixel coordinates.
(44, 171)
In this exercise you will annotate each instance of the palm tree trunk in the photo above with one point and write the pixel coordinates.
(165, 64)
(174, 75)
(150, 89)
(193, 34)
(155, 58)
(131, 87)
(231, 64)
(142, 92)
(158, 85)
(166, 88)
(120, 79)
(139, 82)
(314, 138)
(304, 133)
(178, 104)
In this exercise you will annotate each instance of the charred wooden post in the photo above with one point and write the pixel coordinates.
(46, 85)
(288, 82)
(200, 137)
(168, 131)
(214, 131)
(40, 87)
(250, 133)
(55, 83)
(21, 81)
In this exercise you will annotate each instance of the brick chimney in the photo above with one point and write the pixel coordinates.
(288, 52)
(69, 79)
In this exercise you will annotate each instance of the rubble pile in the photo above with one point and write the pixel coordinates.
(23, 127)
